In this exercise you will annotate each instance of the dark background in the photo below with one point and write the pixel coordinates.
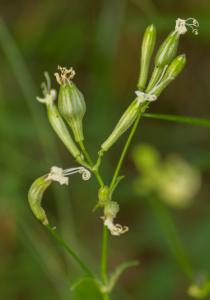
(101, 40)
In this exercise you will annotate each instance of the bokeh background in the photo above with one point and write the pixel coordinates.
(101, 40)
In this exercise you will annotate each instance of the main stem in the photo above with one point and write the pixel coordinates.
(104, 248)
(122, 156)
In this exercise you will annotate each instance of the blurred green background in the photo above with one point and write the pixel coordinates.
(101, 40)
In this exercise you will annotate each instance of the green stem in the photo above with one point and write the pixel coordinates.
(90, 161)
(165, 220)
(122, 156)
(179, 119)
(104, 254)
(71, 252)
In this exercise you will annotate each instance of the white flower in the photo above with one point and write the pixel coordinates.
(143, 97)
(60, 175)
(181, 25)
(110, 212)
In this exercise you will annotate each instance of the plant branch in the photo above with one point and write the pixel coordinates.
(124, 151)
(71, 252)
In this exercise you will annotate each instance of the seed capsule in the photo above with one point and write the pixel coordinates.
(123, 124)
(35, 195)
(147, 49)
(71, 104)
(172, 72)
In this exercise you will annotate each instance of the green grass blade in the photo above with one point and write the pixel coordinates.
(179, 119)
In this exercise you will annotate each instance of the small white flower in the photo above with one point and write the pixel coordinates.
(143, 97)
(61, 176)
(57, 174)
(110, 213)
(115, 229)
(181, 25)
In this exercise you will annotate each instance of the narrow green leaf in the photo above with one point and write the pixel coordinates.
(179, 119)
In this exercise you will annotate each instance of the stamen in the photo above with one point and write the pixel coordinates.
(181, 25)
(65, 75)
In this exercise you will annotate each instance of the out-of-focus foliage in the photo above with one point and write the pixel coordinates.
(101, 39)
(173, 180)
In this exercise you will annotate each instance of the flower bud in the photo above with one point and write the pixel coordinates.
(60, 128)
(123, 124)
(164, 56)
(56, 120)
(104, 195)
(147, 49)
(167, 50)
(35, 195)
(172, 72)
(71, 104)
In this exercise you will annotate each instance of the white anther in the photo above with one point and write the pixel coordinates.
(181, 25)
(143, 97)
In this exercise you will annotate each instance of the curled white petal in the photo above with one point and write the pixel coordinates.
(85, 174)
(181, 25)
(115, 229)
(48, 98)
(57, 174)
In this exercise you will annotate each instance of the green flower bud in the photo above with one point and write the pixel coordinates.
(167, 50)
(172, 72)
(104, 195)
(123, 124)
(147, 49)
(35, 195)
(71, 103)
(57, 122)
(164, 56)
